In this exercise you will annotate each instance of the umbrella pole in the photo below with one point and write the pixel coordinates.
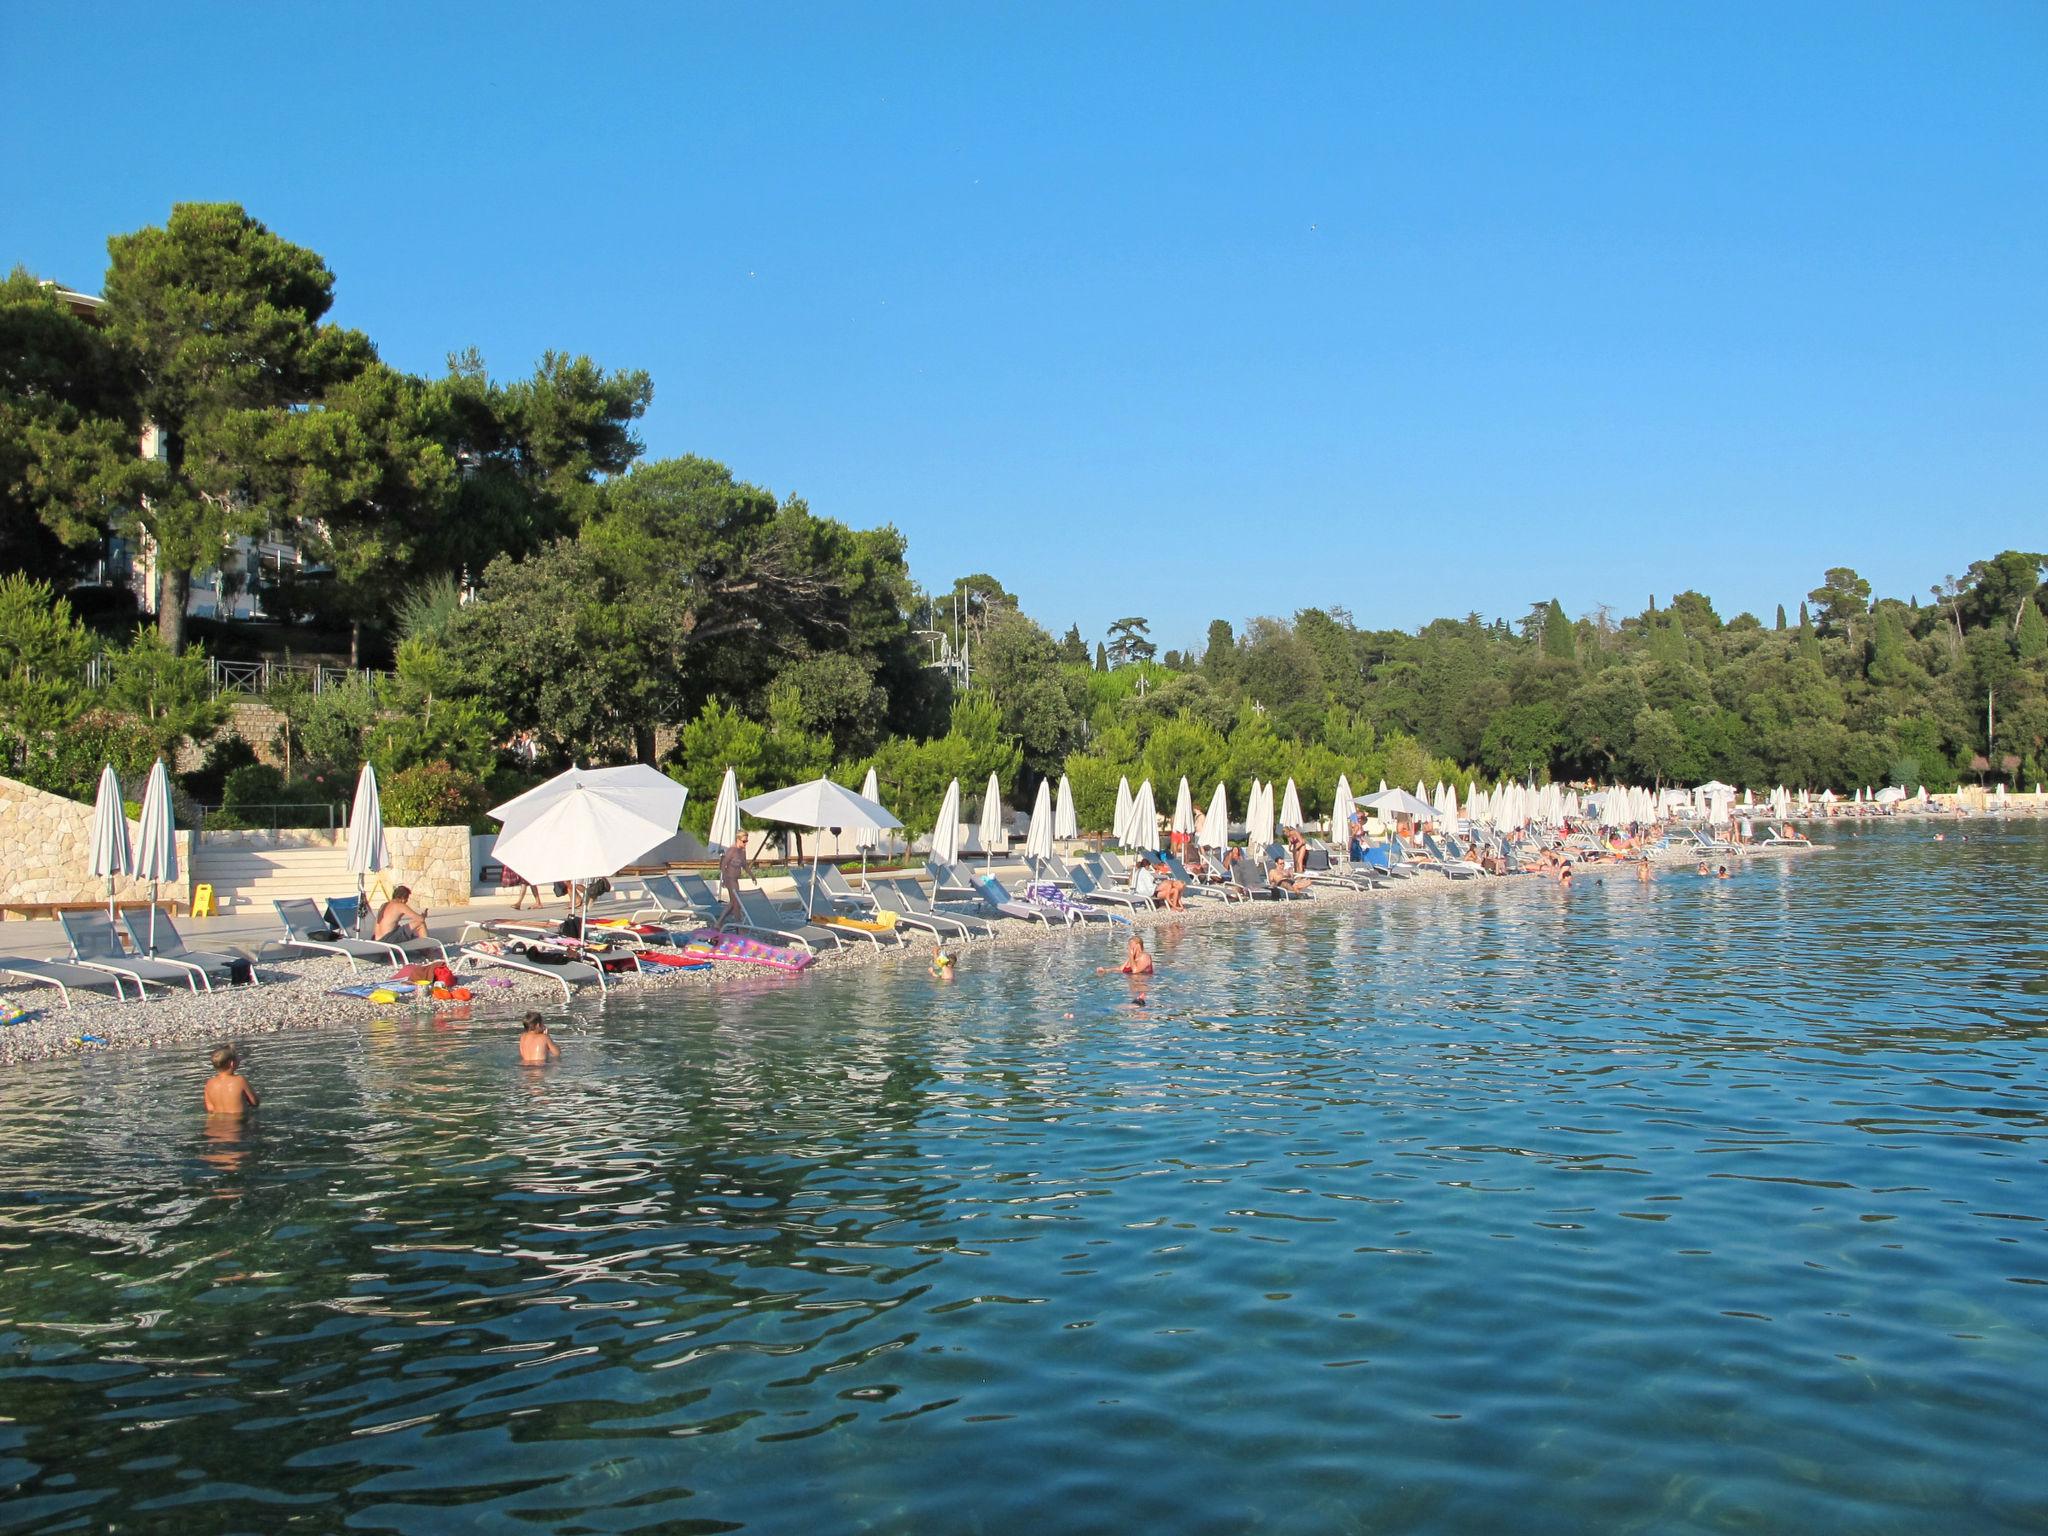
(152, 919)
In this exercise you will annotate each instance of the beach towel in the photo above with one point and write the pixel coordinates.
(1045, 894)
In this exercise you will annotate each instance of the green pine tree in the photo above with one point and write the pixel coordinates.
(1558, 638)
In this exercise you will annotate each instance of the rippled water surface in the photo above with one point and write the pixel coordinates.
(1709, 1206)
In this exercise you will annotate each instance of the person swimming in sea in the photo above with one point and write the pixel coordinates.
(942, 963)
(1137, 960)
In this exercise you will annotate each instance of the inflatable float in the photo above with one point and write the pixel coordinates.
(718, 945)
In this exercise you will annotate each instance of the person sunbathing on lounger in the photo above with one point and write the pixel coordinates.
(1283, 877)
(1168, 889)
(399, 919)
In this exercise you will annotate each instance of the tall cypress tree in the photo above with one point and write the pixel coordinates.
(1781, 618)
(1559, 640)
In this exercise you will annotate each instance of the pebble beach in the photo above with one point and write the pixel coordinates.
(298, 991)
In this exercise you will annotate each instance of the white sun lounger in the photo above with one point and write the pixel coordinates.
(302, 919)
(63, 975)
(97, 946)
(578, 972)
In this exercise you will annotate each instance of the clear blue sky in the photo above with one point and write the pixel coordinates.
(1184, 310)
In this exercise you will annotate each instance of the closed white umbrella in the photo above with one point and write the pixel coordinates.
(725, 814)
(818, 804)
(1341, 807)
(365, 835)
(156, 849)
(1290, 806)
(1064, 822)
(991, 828)
(1144, 827)
(1038, 839)
(1122, 818)
(946, 831)
(110, 855)
(1216, 821)
(1259, 818)
(1183, 823)
(867, 838)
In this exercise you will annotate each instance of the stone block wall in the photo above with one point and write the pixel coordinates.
(434, 861)
(46, 852)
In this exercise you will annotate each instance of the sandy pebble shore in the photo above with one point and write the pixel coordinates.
(297, 992)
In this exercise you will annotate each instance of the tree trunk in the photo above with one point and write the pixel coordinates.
(355, 643)
(174, 593)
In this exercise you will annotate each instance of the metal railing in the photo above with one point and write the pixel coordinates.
(251, 679)
(273, 816)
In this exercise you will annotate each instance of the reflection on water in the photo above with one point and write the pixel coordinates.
(1690, 1206)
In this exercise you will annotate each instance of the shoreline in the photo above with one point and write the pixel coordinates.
(298, 992)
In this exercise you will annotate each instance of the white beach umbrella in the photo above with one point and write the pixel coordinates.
(1259, 818)
(1064, 823)
(868, 837)
(1216, 821)
(1183, 823)
(1398, 802)
(946, 831)
(1122, 818)
(365, 835)
(635, 786)
(991, 828)
(110, 855)
(821, 805)
(725, 814)
(1038, 840)
(588, 822)
(156, 848)
(1144, 827)
(1290, 806)
(1341, 806)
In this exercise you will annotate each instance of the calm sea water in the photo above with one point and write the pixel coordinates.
(1701, 1206)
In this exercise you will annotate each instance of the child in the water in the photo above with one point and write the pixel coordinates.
(536, 1049)
(942, 963)
(227, 1091)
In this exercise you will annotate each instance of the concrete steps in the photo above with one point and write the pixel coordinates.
(250, 870)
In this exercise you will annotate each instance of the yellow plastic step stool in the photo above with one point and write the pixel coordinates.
(202, 901)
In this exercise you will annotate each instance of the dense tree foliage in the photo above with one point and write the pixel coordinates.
(537, 584)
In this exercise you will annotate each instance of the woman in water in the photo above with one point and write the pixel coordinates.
(1137, 960)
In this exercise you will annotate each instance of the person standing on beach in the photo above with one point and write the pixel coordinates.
(733, 865)
(227, 1092)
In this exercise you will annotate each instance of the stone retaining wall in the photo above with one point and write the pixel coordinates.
(46, 852)
(434, 861)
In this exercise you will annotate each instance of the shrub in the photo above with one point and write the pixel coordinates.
(256, 795)
(224, 754)
(432, 795)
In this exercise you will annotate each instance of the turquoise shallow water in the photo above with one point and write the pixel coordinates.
(1697, 1207)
